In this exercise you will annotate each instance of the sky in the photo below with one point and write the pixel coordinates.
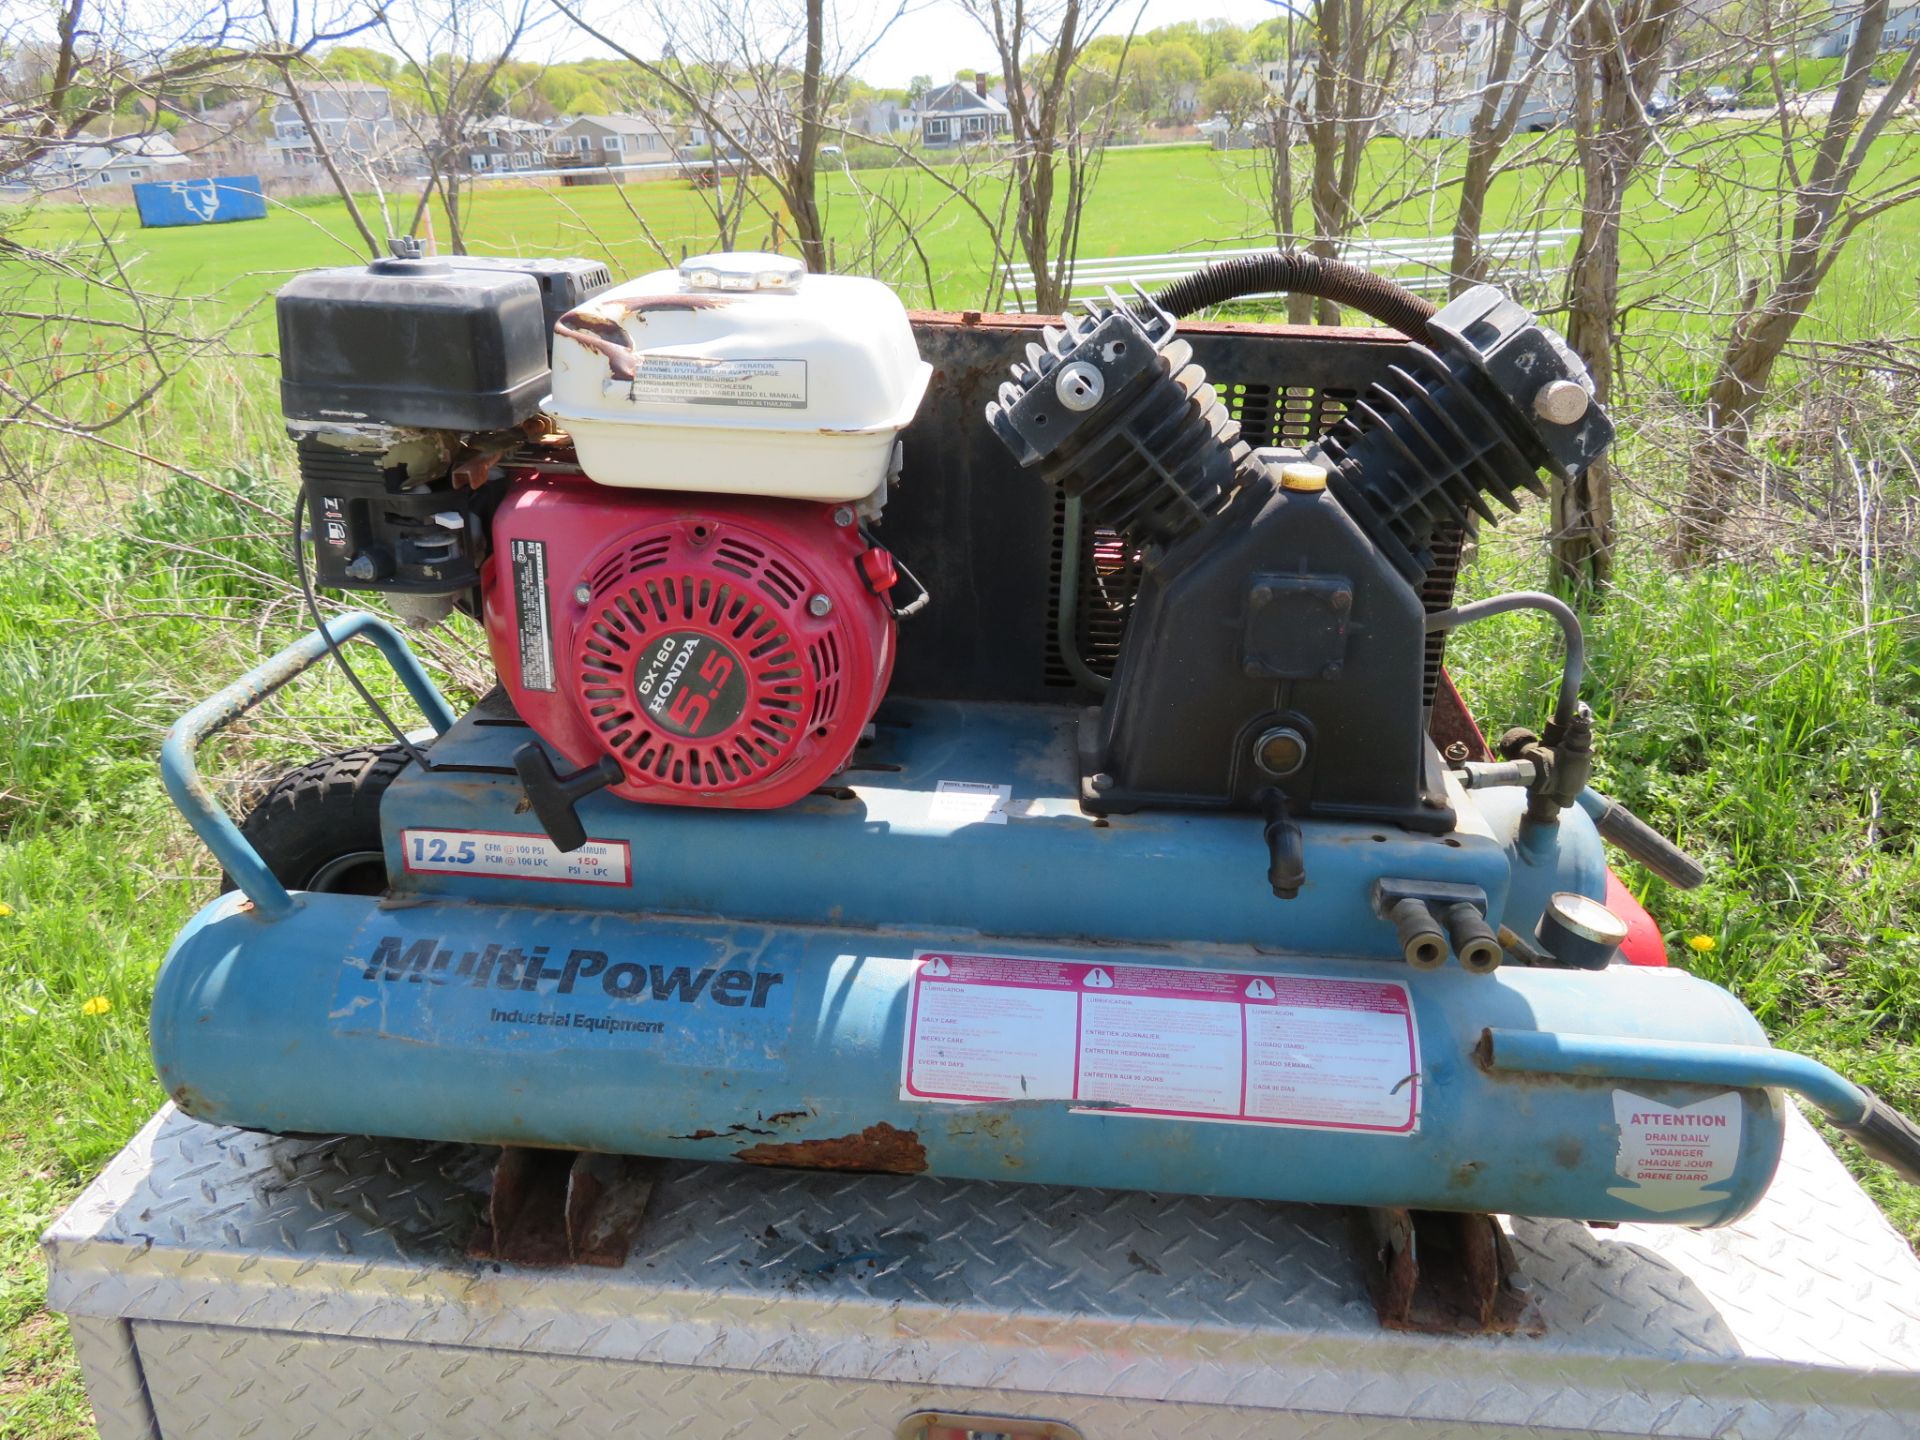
(939, 37)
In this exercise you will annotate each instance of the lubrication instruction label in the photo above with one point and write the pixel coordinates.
(1670, 1155)
(530, 614)
(1225, 1046)
(515, 857)
(663, 379)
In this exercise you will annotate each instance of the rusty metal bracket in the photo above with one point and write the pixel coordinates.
(558, 1207)
(1443, 1273)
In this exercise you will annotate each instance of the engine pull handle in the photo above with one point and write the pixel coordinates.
(554, 796)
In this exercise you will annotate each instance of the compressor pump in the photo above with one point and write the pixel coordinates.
(737, 861)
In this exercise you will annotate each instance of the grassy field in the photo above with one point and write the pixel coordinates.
(1766, 713)
(1698, 218)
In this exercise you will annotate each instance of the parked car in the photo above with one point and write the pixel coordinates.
(1719, 97)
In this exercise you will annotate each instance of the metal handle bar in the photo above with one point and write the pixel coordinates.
(182, 774)
(1869, 1121)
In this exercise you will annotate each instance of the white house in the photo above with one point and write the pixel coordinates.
(116, 160)
(1447, 66)
(882, 117)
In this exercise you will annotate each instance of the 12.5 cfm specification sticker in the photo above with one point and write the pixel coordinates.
(1224, 1046)
(510, 856)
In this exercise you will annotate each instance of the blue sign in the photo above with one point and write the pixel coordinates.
(200, 202)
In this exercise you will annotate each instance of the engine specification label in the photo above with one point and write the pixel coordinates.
(530, 614)
(515, 857)
(1227, 1046)
(1669, 1156)
(663, 379)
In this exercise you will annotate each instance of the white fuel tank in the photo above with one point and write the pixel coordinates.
(739, 373)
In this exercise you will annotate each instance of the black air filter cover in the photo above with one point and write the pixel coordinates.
(1450, 425)
(564, 283)
(457, 344)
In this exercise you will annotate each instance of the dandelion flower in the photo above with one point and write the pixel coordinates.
(5, 910)
(98, 1005)
(1703, 944)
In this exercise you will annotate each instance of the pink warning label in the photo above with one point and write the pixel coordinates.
(1227, 1046)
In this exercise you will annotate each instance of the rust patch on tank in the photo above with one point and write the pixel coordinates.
(880, 1148)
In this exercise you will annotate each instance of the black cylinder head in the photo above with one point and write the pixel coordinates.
(1113, 410)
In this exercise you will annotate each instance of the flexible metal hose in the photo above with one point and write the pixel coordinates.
(1576, 655)
(1298, 273)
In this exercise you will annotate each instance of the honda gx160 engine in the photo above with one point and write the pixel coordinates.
(1158, 854)
(680, 591)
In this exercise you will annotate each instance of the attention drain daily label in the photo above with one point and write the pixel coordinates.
(1670, 1155)
(1214, 1045)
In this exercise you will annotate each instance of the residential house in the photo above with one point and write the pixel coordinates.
(114, 160)
(1448, 64)
(1902, 29)
(740, 119)
(1278, 75)
(355, 122)
(881, 117)
(506, 142)
(961, 114)
(610, 140)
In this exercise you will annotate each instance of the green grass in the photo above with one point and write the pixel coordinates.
(1743, 707)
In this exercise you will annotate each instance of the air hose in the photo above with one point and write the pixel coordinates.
(1297, 273)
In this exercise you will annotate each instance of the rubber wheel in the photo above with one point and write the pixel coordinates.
(318, 828)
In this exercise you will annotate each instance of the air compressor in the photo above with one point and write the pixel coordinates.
(764, 849)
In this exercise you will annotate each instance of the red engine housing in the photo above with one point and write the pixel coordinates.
(725, 650)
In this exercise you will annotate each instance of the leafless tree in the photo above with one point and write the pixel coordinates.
(1355, 64)
(98, 57)
(763, 83)
(1057, 134)
(1282, 121)
(1616, 51)
(1502, 101)
(1825, 159)
(86, 344)
(455, 50)
(296, 36)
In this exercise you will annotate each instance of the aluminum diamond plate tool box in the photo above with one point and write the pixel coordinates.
(224, 1284)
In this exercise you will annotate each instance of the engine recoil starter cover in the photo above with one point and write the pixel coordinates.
(724, 651)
